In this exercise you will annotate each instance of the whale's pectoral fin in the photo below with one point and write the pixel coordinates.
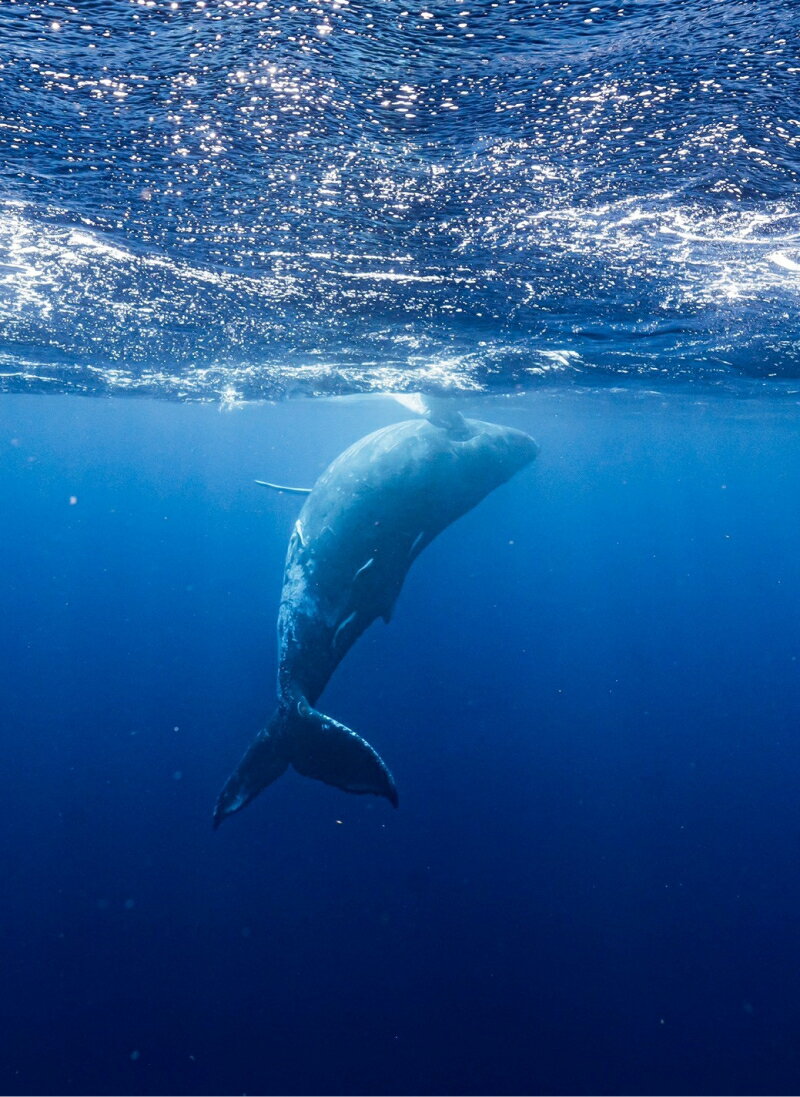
(328, 751)
(283, 487)
(263, 763)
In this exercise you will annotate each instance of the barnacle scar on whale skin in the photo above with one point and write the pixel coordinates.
(362, 525)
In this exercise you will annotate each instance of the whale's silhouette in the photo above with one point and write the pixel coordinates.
(365, 521)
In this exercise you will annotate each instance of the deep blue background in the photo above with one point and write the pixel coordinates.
(589, 697)
(589, 694)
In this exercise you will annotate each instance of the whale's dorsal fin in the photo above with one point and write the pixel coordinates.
(283, 487)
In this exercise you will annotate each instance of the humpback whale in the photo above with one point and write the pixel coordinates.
(365, 521)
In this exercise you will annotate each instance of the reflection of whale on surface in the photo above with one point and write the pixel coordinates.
(368, 517)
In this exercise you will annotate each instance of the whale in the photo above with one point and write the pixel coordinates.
(361, 527)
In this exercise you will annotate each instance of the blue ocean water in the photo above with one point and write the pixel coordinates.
(229, 230)
(233, 198)
(589, 699)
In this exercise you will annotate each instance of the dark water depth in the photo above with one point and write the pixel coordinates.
(589, 697)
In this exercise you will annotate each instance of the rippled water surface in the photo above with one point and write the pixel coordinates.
(231, 198)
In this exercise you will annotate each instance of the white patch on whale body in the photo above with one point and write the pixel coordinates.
(297, 602)
(364, 567)
(347, 621)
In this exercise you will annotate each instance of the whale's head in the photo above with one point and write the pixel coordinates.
(479, 457)
(503, 450)
(517, 448)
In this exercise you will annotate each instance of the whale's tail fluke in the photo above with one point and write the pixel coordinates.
(316, 746)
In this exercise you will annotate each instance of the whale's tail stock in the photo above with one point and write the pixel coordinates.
(316, 746)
